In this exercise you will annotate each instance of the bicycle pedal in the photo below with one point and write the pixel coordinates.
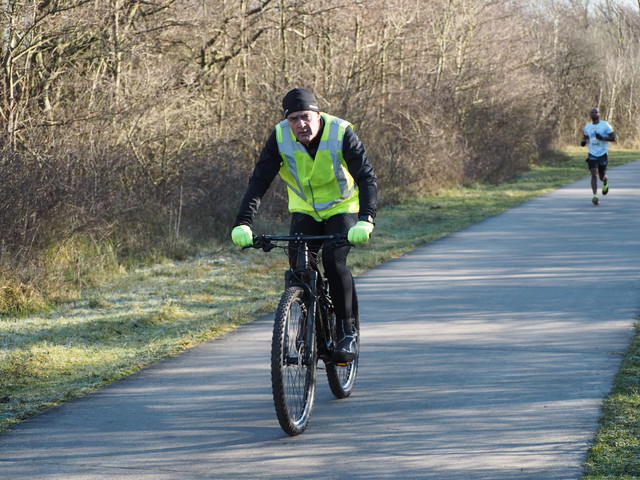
(342, 364)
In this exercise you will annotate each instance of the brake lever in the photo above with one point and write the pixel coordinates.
(261, 243)
(267, 247)
(340, 242)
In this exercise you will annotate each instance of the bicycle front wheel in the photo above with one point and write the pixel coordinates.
(293, 362)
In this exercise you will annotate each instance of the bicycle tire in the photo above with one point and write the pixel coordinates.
(342, 377)
(293, 380)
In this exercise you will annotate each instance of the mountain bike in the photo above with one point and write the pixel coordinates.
(304, 332)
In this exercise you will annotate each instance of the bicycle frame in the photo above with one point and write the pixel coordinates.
(305, 273)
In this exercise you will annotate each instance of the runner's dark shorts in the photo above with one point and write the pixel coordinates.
(598, 162)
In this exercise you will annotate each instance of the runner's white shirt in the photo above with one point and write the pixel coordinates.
(597, 148)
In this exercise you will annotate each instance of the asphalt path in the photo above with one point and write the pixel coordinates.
(485, 355)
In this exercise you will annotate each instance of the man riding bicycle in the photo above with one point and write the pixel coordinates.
(331, 187)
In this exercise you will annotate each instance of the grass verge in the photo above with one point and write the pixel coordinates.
(616, 451)
(144, 315)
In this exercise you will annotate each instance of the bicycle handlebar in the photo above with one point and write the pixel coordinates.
(300, 237)
(265, 242)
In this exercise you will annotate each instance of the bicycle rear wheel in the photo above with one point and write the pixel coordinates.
(342, 377)
(293, 362)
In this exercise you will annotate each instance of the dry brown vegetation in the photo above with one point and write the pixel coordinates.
(133, 124)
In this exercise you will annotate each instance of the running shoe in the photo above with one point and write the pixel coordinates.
(595, 200)
(605, 188)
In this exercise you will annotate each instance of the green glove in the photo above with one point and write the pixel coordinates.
(242, 235)
(360, 232)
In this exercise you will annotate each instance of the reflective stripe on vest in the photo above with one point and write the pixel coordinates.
(317, 187)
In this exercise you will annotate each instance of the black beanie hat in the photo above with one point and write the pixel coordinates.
(299, 99)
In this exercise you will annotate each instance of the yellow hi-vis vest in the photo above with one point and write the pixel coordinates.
(320, 187)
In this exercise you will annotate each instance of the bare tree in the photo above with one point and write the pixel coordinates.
(148, 115)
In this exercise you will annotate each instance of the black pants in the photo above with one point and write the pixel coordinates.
(334, 259)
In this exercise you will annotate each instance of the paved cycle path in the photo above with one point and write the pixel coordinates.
(485, 355)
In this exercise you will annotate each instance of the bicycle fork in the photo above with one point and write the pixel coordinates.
(304, 336)
(311, 321)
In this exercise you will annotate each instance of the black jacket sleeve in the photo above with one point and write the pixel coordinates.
(360, 168)
(264, 172)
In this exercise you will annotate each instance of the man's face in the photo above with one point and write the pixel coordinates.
(305, 125)
(595, 115)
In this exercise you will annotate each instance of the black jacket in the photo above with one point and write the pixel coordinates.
(268, 166)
